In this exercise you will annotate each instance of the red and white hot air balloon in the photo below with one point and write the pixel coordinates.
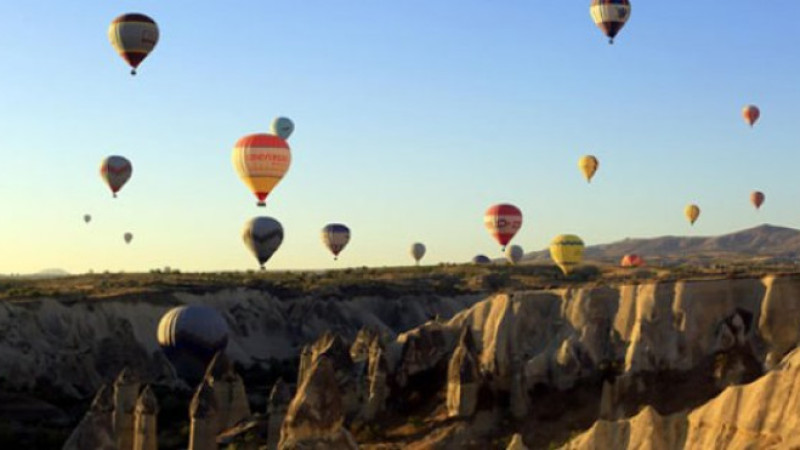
(751, 113)
(757, 198)
(261, 161)
(632, 260)
(503, 221)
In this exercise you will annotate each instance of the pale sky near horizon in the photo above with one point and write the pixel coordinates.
(412, 118)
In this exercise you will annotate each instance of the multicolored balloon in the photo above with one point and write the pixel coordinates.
(503, 221)
(261, 160)
(588, 165)
(133, 36)
(417, 251)
(514, 254)
(335, 236)
(610, 16)
(566, 250)
(128, 237)
(631, 260)
(751, 113)
(757, 199)
(692, 212)
(282, 126)
(190, 336)
(116, 171)
(262, 236)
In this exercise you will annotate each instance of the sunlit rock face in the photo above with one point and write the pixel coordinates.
(762, 414)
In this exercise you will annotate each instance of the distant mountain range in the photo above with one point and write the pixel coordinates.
(765, 242)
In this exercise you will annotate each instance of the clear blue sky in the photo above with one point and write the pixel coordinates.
(412, 117)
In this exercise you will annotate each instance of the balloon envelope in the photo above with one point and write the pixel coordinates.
(514, 254)
(133, 36)
(262, 236)
(282, 127)
(87, 218)
(128, 237)
(481, 259)
(190, 336)
(261, 161)
(751, 113)
(417, 251)
(610, 16)
(116, 171)
(692, 212)
(757, 198)
(631, 260)
(503, 221)
(566, 250)
(588, 165)
(335, 236)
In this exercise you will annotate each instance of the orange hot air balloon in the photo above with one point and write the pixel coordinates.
(261, 160)
(631, 260)
(757, 198)
(751, 113)
(692, 212)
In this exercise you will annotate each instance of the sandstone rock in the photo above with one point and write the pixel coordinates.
(516, 443)
(316, 414)
(377, 376)
(96, 429)
(229, 391)
(463, 378)
(126, 393)
(279, 399)
(145, 431)
(203, 412)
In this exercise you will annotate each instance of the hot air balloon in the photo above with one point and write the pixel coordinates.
(692, 212)
(417, 251)
(631, 260)
(588, 165)
(282, 127)
(87, 218)
(116, 171)
(335, 236)
(481, 259)
(751, 113)
(263, 236)
(610, 16)
(503, 221)
(261, 160)
(128, 237)
(514, 254)
(133, 36)
(566, 250)
(190, 336)
(757, 198)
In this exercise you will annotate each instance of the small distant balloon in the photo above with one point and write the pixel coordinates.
(261, 161)
(588, 165)
(566, 250)
(751, 113)
(262, 236)
(335, 236)
(481, 259)
(87, 218)
(631, 260)
(514, 254)
(503, 221)
(116, 171)
(692, 212)
(417, 251)
(282, 126)
(757, 199)
(610, 16)
(128, 237)
(133, 36)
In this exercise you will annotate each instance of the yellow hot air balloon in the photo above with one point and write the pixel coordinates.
(261, 160)
(692, 212)
(588, 165)
(566, 250)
